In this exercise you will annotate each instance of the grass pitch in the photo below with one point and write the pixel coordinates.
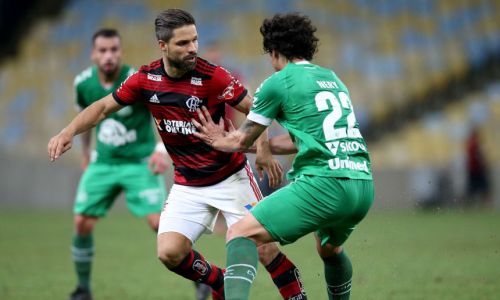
(395, 255)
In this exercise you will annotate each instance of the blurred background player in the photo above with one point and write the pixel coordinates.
(124, 158)
(478, 190)
(332, 189)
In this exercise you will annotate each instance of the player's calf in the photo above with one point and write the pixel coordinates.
(338, 271)
(175, 252)
(284, 273)
(194, 267)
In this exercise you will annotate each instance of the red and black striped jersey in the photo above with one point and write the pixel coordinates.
(173, 103)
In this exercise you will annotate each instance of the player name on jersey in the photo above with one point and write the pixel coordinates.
(327, 84)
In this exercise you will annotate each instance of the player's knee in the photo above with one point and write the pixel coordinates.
(169, 256)
(231, 233)
(236, 230)
(328, 250)
(84, 225)
(171, 252)
(249, 228)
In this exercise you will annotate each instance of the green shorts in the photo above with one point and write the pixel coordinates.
(101, 183)
(330, 206)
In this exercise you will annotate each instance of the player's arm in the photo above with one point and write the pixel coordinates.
(279, 145)
(264, 160)
(282, 145)
(85, 120)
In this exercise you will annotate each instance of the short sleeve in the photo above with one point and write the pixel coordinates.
(227, 87)
(266, 102)
(129, 91)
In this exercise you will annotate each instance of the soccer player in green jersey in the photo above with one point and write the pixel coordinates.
(124, 158)
(332, 188)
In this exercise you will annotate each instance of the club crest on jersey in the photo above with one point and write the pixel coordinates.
(193, 103)
(196, 81)
(154, 77)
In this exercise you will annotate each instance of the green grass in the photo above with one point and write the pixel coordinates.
(396, 255)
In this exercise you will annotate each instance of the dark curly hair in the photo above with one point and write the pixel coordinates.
(290, 34)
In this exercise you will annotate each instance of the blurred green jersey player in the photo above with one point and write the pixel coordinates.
(332, 186)
(123, 160)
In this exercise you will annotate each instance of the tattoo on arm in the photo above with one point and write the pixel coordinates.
(250, 131)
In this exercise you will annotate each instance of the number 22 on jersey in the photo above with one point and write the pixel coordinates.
(337, 106)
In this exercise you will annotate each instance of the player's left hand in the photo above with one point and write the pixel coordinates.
(158, 162)
(265, 162)
(208, 131)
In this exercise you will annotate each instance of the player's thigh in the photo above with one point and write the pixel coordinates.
(285, 214)
(355, 203)
(233, 196)
(236, 195)
(186, 211)
(306, 205)
(145, 192)
(97, 190)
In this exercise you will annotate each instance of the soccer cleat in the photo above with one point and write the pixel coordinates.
(202, 291)
(80, 293)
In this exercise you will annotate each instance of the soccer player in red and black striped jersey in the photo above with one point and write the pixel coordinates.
(206, 181)
(173, 102)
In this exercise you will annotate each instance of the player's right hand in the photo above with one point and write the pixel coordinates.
(158, 162)
(59, 144)
(267, 163)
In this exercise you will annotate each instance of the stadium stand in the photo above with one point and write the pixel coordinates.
(418, 71)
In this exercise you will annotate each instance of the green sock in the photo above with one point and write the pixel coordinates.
(338, 275)
(83, 251)
(242, 259)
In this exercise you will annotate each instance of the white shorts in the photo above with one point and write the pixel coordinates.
(191, 211)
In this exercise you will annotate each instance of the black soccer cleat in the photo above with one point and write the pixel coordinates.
(80, 293)
(203, 291)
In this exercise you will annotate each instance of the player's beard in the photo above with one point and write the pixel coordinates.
(109, 72)
(183, 63)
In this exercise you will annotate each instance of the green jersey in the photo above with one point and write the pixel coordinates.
(314, 106)
(124, 136)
